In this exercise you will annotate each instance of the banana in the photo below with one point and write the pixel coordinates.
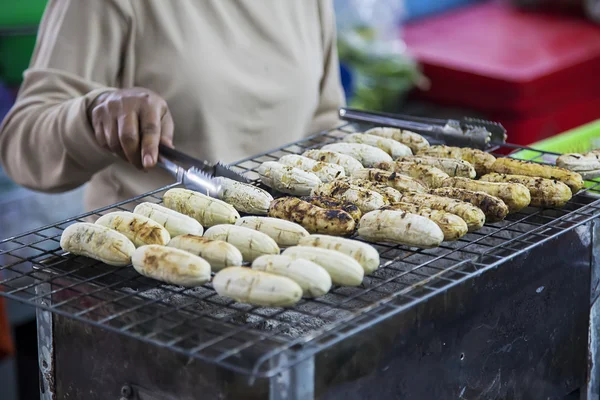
(139, 229)
(392, 179)
(364, 253)
(493, 208)
(401, 228)
(544, 192)
(175, 223)
(390, 146)
(329, 203)
(429, 176)
(286, 179)
(243, 197)
(481, 161)
(343, 269)
(314, 219)
(367, 155)
(284, 233)
(170, 265)
(451, 166)
(204, 209)
(252, 244)
(517, 167)
(473, 216)
(366, 200)
(453, 226)
(349, 164)
(390, 195)
(312, 278)
(97, 242)
(413, 140)
(256, 287)
(514, 195)
(218, 253)
(326, 172)
(587, 164)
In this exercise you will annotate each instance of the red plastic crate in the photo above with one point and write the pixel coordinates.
(538, 74)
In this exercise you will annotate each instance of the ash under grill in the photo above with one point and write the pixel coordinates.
(200, 324)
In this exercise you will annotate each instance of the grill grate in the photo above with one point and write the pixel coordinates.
(260, 341)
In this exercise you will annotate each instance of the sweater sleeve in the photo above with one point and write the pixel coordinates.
(46, 140)
(331, 92)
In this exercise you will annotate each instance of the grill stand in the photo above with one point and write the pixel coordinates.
(515, 331)
(592, 391)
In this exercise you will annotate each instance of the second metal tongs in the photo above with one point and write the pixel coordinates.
(196, 174)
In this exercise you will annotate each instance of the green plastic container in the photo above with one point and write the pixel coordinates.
(18, 25)
(578, 140)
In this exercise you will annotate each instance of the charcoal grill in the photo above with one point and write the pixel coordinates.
(505, 312)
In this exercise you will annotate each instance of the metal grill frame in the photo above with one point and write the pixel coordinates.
(407, 277)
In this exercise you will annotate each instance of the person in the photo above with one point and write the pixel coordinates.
(218, 79)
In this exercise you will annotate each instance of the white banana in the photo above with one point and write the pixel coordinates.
(343, 269)
(173, 221)
(202, 208)
(312, 278)
(97, 242)
(170, 265)
(364, 253)
(243, 197)
(256, 287)
(139, 229)
(390, 146)
(349, 164)
(252, 244)
(413, 140)
(218, 253)
(367, 155)
(285, 233)
(286, 179)
(325, 171)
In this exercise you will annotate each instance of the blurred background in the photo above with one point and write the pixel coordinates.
(532, 65)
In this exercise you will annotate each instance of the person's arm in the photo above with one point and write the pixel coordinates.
(47, 142)
(332, 93)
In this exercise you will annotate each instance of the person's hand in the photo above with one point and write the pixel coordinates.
(131, 123)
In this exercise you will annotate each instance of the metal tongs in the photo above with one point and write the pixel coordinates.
(195, 174)
(466, 132)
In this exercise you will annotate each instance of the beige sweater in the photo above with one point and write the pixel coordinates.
(239, 76)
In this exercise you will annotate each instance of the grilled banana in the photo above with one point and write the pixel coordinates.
(493, 208)
(390, 146)
(366, 200)
(429, 176)
(171, 265)
(314, 219)
(365, 254)
(453, 226)
(400, 227)
(389, 178)
(243, 197)
(174, 222)
(514, 195)
(349, 164)
(480, 160)
(579, 162)
(139, 229)
(326, 172)
(256, 287)
(329, 203)
(413, 140)
(284, 233)
(367, 155)
(204, 209)
(286, 179)
(97, 242)
(390, 195)
(343, 269)
(252, 244)
(311, 277)
(451, 166)
(473, 216)
(517, 167)
(544, 192)
(218, 253)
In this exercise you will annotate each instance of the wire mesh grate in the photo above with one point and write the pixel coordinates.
(261, 341)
